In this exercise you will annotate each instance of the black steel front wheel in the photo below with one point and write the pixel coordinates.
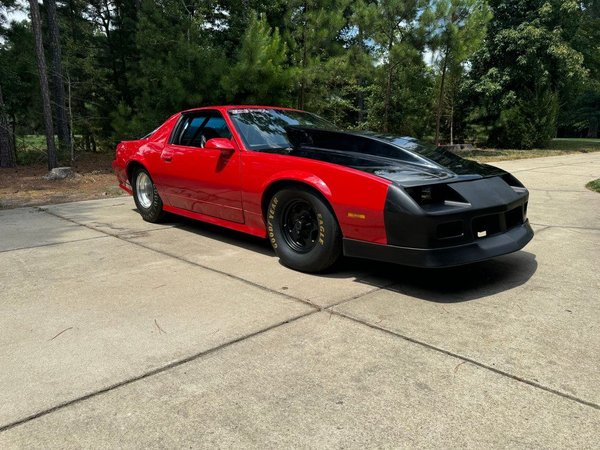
(299, 226)
(303, 230)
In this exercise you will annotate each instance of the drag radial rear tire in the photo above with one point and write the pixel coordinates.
(303, 230)
(146, 197)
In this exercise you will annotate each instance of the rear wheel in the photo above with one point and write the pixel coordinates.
(303, 230)
(146, 197)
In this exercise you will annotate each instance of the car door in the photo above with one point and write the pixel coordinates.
(202, 179)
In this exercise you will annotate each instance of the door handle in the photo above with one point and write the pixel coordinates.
(166, 156)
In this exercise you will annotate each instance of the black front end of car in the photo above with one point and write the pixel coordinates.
(451, 224)
(441, 210)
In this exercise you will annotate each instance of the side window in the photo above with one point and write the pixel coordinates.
(216, 127)
(190, 128)
(195, 130)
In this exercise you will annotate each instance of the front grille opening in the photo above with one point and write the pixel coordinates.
(514, 217)
(486, 225)
(451, 230)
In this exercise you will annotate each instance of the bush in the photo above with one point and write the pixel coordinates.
(530, 123)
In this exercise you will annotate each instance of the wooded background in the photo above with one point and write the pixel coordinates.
(503, 73)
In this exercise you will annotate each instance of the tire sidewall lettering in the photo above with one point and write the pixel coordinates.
(321, 223)
(270, 218)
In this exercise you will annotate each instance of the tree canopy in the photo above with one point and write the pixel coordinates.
(507, 73)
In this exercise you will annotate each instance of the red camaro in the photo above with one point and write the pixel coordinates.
(317, 192)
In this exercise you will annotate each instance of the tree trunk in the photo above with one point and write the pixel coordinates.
(361, 104)
(388, 87)
(452, 125)
(388, 93)
(7, 157)
(62, 122)
(13, 123)
(304, 56)
(593, 128)
(438, 114)
(70, 107)
(36, 25)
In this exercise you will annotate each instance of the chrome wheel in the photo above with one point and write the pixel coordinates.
(144, 190)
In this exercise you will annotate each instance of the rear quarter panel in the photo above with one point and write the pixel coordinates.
(143, 151)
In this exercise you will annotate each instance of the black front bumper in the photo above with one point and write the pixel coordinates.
(490, 247)
(466, 222)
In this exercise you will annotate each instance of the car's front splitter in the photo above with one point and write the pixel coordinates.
(485, 248)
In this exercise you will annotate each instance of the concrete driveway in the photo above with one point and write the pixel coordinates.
(115, 332)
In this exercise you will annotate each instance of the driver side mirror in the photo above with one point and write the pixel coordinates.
(223, 144)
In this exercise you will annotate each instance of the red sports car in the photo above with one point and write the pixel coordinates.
(317, 192)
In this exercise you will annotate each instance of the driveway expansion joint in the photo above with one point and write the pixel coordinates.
(316, 308)
(542, 167)
(193, 263)
(152, 372)
(566, 227)
(51, 244)
(357, 296)
(503, 373)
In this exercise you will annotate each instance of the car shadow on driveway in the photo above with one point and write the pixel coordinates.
(450, 285)
(456, 284)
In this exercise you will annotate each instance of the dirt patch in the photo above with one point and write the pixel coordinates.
(25, 185)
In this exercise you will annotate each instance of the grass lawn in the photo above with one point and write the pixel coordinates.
(594, 185)
(31, 149)
(557, 147)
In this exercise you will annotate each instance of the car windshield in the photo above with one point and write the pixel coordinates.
(264, 129)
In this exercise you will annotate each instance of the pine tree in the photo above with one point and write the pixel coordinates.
(401, 92)
(7, 157)
(459, 27)
(62, 121)
(260, 73)
(314, 27)
(36, 23)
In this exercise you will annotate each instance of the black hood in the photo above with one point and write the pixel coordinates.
(402, 160)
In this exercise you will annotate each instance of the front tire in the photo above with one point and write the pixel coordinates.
(303, 230)
(145, 195)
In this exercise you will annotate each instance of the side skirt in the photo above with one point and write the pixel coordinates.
(254, 231)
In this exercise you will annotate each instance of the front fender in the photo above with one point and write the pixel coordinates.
(298, 176)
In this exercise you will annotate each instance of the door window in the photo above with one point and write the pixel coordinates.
(195, 129)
